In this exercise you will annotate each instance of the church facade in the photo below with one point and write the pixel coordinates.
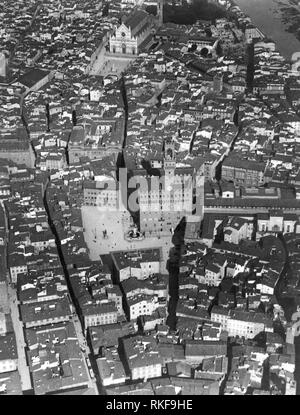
(131, 34)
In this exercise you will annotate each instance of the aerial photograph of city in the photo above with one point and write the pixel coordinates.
(149, 199)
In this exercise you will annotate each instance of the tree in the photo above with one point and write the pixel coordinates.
(219, 49)
(189, 14)
(204, 52)
(74, 117)
(48, 115)
(208, 32)
(105, 10)
(193, 47)
(152, 10)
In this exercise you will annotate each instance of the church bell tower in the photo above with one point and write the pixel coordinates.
(169, 155)
(169, 163)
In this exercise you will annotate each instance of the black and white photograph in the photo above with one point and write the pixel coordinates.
(149, 201)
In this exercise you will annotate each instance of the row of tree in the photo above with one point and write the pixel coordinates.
(188, 14)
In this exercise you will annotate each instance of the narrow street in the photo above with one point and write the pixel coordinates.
(289, 305)
(18, 329)
(20, 340)
(17, 324)
(85, 351)
(85, 354)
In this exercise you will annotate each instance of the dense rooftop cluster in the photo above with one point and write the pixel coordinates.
(98, 304)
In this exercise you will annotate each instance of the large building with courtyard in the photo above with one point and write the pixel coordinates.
(170, 197)
(96, 140)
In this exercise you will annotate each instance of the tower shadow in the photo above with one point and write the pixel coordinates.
(151, 171)
(173, 265)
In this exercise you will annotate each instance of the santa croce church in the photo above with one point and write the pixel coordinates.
(134, 30)
(132, 36)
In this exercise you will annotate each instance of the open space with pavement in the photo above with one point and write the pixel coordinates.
(117, 224)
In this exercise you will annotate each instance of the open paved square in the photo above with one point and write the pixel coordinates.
(104, 232)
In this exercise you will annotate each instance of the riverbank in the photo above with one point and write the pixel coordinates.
(278, 19)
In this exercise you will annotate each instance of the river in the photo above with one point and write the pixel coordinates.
(267, 15)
